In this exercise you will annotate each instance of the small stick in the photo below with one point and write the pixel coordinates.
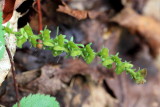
(39, 15)
(13, 74)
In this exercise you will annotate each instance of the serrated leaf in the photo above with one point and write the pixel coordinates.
(38, 100)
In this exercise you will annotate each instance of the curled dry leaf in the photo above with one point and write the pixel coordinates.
(8, 10)
(82, 14)
(147, 27)
(75, 13)
(9, 7)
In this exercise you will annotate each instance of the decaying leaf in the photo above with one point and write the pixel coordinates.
(11, 16)
(152, 8)
(147, 27)
(80, 14)
(11, 13)
(75, 13)
(70, 81)
(9, 7)
(11, 44)
(55, 77)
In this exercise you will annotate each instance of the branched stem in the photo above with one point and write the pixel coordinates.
(60, 45)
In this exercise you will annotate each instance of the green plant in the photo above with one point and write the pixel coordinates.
(2, 40)
(37, 100)
(60, 44)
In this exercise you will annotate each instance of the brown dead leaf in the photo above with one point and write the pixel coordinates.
(54, 78)
(80, 15)
(26, 77)
(9, 7)
(9, 15)
(147, 27)
(86, 94)
(152, 9)
(74, 82)
(133, 95)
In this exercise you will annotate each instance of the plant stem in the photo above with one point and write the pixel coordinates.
(39, 15)
(13, 74)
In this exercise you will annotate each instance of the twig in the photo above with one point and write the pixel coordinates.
(39, 15)
(13, 74)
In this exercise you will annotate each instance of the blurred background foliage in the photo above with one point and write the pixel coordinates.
(130, 27)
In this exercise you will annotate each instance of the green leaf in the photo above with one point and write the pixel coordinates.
(108, 61)
(76, 53)
(119, 69)
(122, 67)
(104, 53)
(38, 100)
(46, 34)
(72, 45)
(128, 65)
(88, 54)
(109, 66)
(2, 46)
(33, 40)
(21, 41)
(60, 44)
(2, 40)
(22, 31)
(116, 59)
(61, 40)
(56, 53)
(28, 30)
(139, 76)
(59, 48)
(8, 30)
(48, 44)
(72, 39)
(80, 45)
